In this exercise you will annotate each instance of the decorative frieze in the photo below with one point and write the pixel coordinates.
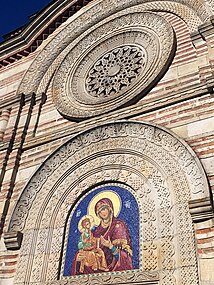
(152, 162)
(201, 209)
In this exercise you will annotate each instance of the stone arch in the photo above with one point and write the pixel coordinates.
(165, 174)
(38, 76)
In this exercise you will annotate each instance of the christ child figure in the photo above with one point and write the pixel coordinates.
(90, 254)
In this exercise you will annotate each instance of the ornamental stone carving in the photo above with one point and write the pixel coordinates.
(38, 77)
(157, 167)
(114, 64)
(115, 71)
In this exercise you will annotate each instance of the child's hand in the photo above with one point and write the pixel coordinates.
(88, 248)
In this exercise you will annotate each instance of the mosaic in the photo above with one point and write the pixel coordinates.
(103, 234)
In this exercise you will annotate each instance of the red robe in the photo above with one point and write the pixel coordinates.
(119, 235)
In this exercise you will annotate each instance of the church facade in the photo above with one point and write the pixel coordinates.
(107, 144)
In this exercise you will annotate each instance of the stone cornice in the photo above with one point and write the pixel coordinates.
(34, 27)
(201, 209)
(31, 36)
(11, 102)
(13, 240)
(27, 38)
(145, 107)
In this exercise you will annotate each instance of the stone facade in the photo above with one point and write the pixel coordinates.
(109, 93)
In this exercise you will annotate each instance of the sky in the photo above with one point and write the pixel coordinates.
(14, 13)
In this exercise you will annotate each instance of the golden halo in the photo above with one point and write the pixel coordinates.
(80, 228)
(114, 197)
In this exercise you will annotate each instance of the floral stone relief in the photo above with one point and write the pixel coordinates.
(146, 161)
(111, 65)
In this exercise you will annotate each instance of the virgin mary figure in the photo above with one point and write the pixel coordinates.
(114, 240)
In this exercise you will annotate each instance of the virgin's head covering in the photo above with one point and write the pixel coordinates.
(102, 203)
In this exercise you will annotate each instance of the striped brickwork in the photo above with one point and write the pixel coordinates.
(31, 128)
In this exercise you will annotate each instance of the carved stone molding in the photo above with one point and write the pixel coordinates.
(201, 209)
(13, 240)
(179, 150)
(204, 31)
(38, 76)
(91, 79)
(140, 278)
(210, 83)
(162, 170)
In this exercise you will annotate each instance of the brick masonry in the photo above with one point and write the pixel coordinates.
(25, 145)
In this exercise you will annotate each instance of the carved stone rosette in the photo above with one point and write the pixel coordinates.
(115, 71)
(113, 64)
(165, 176)
(38, 76)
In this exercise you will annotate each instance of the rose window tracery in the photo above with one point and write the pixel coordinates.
(115, 71)
(113, 64)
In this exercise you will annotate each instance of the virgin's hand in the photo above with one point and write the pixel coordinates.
(106, 242)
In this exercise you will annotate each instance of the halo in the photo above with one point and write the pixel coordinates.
(114, 197)
(80, 228)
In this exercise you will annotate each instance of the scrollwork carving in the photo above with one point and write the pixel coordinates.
(150, 256)
(48, 60)
(124, 152)
(140, 277)
(113, 63)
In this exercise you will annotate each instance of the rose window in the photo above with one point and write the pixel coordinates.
(115, 71)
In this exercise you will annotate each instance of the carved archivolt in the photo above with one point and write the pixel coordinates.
(97, 16)
(162, 171)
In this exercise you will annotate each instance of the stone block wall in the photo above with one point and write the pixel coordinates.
(31, 128)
